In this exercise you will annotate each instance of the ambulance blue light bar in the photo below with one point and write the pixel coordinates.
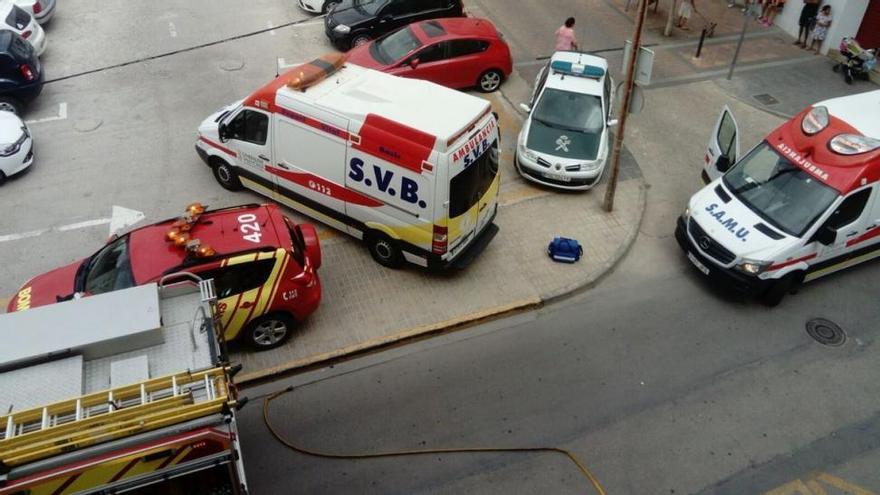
(579, 70)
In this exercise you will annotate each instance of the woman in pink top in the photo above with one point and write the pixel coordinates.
(565, 39)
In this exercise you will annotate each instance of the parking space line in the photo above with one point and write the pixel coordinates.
(282, 64)
(62, 114)
(172, 30)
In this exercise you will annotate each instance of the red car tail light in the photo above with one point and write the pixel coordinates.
(439, 243)
(27, 72)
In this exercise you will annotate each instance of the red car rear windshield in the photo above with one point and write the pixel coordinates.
(395, 46)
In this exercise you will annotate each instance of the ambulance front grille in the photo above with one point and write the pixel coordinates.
(708, 245)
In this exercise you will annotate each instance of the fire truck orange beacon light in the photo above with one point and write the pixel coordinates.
(195, 209)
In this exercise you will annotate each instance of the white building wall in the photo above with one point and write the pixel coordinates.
(847, 15)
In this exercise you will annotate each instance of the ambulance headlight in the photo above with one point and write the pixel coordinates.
(853, 144)
(753, 267)
(527, 152)
(342, 29)
(815, 120)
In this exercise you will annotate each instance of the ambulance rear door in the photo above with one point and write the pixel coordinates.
(723, 148)
(309, 165)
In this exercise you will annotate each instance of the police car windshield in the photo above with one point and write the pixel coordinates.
(395, 46)
(779, 191)
(109, 269)
(570, 111)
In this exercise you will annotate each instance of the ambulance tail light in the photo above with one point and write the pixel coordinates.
(815, 120)
(853, 144)
(27, 72)
(439, 244)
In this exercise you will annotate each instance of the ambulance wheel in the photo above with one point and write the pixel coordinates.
(490, 81)
(787, 284)
(10, 104)
(327, 6)
(269, 331)
(225, 175)
(384, 250)
(359, 39)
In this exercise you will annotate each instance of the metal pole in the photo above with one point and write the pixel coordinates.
(608, 204)
(700, 44)
(742, 36)
(667, 31)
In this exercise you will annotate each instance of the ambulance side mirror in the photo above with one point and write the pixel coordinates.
(826, 235)
(722, 163)
(223, 133)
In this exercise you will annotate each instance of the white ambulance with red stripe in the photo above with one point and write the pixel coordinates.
(802, 204)
(408, 166)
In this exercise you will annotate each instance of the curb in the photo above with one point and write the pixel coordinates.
(405, 336)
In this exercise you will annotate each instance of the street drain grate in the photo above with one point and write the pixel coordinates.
(826, 332)
(766, 99)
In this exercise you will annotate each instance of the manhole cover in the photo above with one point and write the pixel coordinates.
(766, 99)
(826, 332)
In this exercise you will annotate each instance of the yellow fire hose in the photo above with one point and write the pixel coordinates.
(398, 453)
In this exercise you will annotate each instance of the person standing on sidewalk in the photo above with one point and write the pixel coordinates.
(823, 21)
(565, 38)
(684, 14)
(806, 20)
(771, 8)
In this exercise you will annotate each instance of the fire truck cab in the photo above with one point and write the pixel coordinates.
(803, 203)
(124, 392)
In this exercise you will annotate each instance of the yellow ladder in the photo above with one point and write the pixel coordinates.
(42, 432)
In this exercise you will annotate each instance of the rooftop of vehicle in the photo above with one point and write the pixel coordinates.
(578, 84)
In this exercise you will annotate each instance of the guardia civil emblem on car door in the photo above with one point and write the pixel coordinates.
(562, 143)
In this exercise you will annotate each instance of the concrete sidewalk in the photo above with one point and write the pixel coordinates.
(366, 306)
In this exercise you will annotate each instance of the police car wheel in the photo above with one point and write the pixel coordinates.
(9, 104)
(490, 81)
(774, 295)
(327, 6)
(225, 175)
(269, 331)
(384, 250)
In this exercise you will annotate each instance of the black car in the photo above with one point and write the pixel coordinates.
(354, 22)
(21, 77)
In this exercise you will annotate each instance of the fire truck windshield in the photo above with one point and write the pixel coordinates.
(108, 269)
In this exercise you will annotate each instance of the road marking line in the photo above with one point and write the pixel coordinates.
(62, 114)
(119, 219)
(172, 30)
(282, 64)
(22, 235)
(843, 485)
(81, 225)
(270, 26)
(815, 488)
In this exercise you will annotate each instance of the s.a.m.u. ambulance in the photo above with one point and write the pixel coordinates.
(408, 166)
(801, 204)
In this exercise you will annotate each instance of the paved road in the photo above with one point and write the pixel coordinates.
(659, 384)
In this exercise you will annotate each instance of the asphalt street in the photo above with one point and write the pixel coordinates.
(658, 383)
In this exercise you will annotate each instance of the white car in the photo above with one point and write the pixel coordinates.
(42, 10)
(16, 145)
(317, 6)
(564, 140)
(19, 21)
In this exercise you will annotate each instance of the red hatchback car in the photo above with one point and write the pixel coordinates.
(459, 52)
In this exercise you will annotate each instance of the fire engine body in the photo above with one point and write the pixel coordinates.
(127, 391)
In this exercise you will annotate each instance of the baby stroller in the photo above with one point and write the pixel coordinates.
(859, 61)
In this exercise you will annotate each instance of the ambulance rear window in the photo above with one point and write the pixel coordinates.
(471, 184)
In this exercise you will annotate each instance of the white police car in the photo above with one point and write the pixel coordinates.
(564, 141)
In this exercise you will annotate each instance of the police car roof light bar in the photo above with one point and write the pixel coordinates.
(579, 70)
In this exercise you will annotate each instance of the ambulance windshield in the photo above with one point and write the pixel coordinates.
(779, 191)
(107, 270)
(471, 184)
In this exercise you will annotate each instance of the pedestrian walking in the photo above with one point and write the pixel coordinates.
(685, 10)
(806, 20)
(771, 9)
(565, 38)
(820, 30)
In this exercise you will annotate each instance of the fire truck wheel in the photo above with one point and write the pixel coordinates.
(384, 250)
(225, 175)
(787, 284)
(269, 331)
(490, 81)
